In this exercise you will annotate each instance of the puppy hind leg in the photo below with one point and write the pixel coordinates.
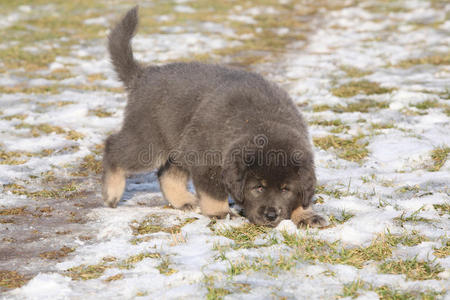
(307, 217)
(113, 179)
(113, 186)
(173, 182)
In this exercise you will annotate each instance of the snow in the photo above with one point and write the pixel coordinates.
(371, 191)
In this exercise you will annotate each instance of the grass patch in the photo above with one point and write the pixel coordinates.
(154, 223)
(91, 164)
(16, 116)
(344, 217)
(99, 112)
(164, 267)
(84, 272)
(39, 129)
(444, 251)
(87, 272)
(55, 103)
(63, 252)
(385, 292)
(267, 264)
(13, 211)
(64, 191)
(364, 106)
(354, 88)
(336, 122)
(338, 125)
(382, 126)
(439, 156)
(310, 249)
(413, 269)
(214, 293)
(351, 289)
(355, 72)
(442, 208)
(11, 279)
(438, 59)
(414, 217)
(352, 149)
(114, 277)
(427, 104)
(335, 193)
(12, 157)
(244, 236)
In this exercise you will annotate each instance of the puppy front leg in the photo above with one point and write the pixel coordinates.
(213, 199)
(213, 206)
(307, 217)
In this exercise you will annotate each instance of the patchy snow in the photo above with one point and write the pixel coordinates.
(391, 184)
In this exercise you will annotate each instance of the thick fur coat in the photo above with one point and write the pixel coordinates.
(231, 131)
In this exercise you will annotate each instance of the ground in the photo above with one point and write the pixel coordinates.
(371, 77)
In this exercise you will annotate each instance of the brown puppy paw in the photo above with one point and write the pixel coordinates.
(307, 217)
(314, 221)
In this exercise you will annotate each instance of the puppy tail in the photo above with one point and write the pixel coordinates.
(119, 46)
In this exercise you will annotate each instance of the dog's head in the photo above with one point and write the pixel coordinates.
(270, 177)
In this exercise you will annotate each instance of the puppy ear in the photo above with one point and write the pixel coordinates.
(235, 169)
(307, 185)
(234, 177)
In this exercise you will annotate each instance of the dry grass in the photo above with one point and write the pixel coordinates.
(436, 59)
(63, 252)
(354, 88)
(11, 279)
(352, 149)
(154, 223)
(444, 251)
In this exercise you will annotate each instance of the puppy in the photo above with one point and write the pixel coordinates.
(230, 131)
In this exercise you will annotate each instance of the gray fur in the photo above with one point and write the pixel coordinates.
(182, 108)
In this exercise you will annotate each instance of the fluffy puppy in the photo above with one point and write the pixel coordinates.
(230, 131)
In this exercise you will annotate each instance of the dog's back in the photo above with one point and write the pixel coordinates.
(168, 96)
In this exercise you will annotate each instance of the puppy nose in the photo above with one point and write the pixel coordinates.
(271, 214)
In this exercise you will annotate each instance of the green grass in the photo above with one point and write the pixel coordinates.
(442, 208)
(439, 156)
(357, 287)
(351, 289)
(414, 217)
(214, 293)
(344, 217)
(244, 236)
(412, 268)
(363, 106)
(164, 267)
(269, 265)
(310, 249)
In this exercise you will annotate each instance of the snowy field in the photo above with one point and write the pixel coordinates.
(371, 77)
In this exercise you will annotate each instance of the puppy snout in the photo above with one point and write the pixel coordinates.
(270, 214)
